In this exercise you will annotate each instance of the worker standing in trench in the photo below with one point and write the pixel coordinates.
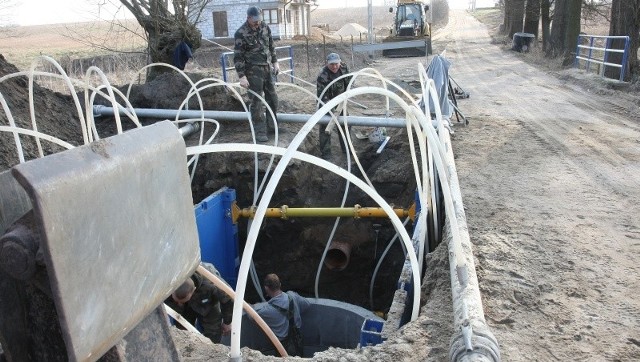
(254, 58)
(332, 70)
(282, 314)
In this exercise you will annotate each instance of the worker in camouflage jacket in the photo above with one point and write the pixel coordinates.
(325, 92)
(199, 300)
(256, 63)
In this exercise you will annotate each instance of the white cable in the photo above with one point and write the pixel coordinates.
(379, 263)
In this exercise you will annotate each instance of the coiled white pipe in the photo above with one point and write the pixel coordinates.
(32, 111)
(262, 206)
(249, 247)
(12, 123)
(289, 153)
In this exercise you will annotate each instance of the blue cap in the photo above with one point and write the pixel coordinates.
(333, 58)
(254, 13)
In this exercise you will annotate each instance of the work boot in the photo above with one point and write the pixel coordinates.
(261, 136)
(261, 132)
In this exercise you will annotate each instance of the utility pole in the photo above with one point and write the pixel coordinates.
(370, 24)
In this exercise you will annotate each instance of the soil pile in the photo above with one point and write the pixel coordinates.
(55, 115)
(352, 29)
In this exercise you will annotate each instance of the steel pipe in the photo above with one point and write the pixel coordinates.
(285, 212)
(189, 129)
(101, 110)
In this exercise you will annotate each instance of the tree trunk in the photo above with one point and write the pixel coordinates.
(625, 20)
(508, 9)
(559, 43)
(546, 23)
(572, 30)
(164, 29)
(516, 17)
(532, 17)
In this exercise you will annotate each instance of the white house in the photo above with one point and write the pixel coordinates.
(286, 18)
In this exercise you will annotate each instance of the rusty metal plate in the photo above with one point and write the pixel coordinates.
(118, 229)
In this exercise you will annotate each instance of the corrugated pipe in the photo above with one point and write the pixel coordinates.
(472, 339)
(101, 110)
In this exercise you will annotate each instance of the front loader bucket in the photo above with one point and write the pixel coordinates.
(399, 51)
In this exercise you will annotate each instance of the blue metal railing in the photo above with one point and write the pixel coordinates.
(227, 64)
(598, 50)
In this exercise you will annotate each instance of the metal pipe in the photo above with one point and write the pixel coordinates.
(101, 110)
(338, 255)
(189, 129)
(285, 212)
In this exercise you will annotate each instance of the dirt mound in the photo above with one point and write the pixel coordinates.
(54, 115)
(354, 29)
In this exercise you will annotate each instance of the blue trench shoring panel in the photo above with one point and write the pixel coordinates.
(218, 234)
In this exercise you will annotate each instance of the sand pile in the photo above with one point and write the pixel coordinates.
(349, 29)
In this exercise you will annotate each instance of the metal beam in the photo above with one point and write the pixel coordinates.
(392, 45)
(243, 116)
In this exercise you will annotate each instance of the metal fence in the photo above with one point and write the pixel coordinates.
(227, 65)
(595, 49)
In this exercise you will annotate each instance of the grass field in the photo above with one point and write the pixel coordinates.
(23, 44)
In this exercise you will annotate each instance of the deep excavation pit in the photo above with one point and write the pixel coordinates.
(293, 247)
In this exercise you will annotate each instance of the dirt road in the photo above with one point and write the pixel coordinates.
(550, 176)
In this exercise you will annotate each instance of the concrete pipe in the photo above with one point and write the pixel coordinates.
(338, 255)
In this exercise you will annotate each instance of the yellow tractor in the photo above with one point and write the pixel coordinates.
(412, 27)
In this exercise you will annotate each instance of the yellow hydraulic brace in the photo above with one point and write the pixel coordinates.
(285, 212)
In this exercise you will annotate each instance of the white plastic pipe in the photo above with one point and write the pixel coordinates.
(249, 247)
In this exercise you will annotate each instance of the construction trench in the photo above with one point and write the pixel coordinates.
(351, 234)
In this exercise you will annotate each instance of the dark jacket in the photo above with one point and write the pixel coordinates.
(206, 296)
(326, 76)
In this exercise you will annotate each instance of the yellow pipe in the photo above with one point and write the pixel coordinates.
(285, 212)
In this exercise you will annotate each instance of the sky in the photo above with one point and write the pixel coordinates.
(35, 12)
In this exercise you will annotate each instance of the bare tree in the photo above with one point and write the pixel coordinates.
(165, 24)
(532, 17)
(625, 20)
(565, 29)
(545, 17)
(513, 16)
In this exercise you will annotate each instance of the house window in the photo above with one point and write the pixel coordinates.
(288, 12)
(271, 16)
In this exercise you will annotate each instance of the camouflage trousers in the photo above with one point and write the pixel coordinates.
(325, 141)
(262, 83)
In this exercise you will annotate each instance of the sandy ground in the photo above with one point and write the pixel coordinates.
(550, 176)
